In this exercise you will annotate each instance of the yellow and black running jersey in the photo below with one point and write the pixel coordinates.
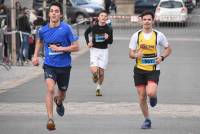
(149, 51)
(149, 44)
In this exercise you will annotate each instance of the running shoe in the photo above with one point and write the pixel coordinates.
(51, 125)
(146, 124)
(95, 77)
(60, 109)
(153, 101)
(98, 92)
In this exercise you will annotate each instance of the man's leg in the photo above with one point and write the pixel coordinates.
(49, 97)
(151, 90)
(59, 102)
(49, 103)
(144, 107)
(141, 90)
(26, 48)
(100, 81)
(101, 76)
(61, 96)
(63, 76)
(95, 73)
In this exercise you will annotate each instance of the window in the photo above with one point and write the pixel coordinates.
(171, 4)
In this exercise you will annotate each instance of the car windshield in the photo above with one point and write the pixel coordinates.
(147, 2)
(171, 4)
(80, 2)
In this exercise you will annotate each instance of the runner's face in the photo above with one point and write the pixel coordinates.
(103, 17)
(55, 14)
(147, 21)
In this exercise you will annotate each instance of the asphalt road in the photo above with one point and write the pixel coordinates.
(22, 109)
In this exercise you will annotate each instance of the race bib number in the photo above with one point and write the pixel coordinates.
(54, 53)
(99, 38)
(149, 61)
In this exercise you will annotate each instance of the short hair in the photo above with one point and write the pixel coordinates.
(103, 11)
(147, 12)
(58, 4)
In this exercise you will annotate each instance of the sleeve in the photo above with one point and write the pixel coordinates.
(39, 34)
(71, 35)
(110, 33)
(86, 34)
(163, 40)
(27, 25)
(133, 41)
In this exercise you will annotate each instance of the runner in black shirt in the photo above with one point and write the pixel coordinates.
(101, 36)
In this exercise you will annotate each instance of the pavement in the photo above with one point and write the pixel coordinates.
(18, 75)
(22, 109)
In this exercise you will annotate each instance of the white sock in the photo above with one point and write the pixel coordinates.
(98, 86)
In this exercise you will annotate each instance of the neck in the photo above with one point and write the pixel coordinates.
(145, 30)
(102, 24)
(54, 24)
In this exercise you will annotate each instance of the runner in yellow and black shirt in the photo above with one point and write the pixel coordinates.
(145, 47)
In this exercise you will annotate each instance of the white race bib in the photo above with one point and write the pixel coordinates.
(99, 38)
(53, 53)
(149, 61)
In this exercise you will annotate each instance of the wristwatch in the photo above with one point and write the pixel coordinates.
(162, 58)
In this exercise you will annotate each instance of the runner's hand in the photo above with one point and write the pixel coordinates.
(106, 36)
(90, 44)
(139, 54)
(55, 48)
(35, 61)
(158, 60)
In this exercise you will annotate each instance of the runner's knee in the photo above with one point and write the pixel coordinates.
(151, 94)
(142, 98)
(50, 90)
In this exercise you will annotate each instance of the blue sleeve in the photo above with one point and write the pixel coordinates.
(39, 34)
(71, 35)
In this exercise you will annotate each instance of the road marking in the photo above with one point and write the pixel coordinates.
(102, 108)
(170, 39)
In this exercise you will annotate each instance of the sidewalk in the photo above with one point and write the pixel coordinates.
(18, 75)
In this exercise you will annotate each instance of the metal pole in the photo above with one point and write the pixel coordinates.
(44, 10)
(13, 27)
(65, 10)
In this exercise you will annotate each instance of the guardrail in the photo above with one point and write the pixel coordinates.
(131, 23)
(7, 64)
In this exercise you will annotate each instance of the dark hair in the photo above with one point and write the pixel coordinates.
(58, 4)
(103, 11)
(147, 12)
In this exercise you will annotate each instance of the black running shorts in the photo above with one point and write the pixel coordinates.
(141, 77)
(60, 75)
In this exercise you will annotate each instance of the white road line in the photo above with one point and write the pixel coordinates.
(101, 108)
(170, 39)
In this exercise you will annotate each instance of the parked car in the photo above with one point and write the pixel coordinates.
(171, 11)
(99, 2)
(189, 4)
(76, 9)
(80, 9)
(141, 5)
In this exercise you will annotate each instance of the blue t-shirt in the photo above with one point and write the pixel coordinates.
(62, 35)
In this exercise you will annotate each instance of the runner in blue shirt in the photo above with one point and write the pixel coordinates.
(59, 41)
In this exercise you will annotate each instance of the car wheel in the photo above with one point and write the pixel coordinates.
(80, 17)
(185, 24)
